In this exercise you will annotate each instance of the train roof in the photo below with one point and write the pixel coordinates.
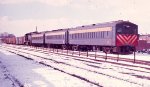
(105, 24)
(58, 30)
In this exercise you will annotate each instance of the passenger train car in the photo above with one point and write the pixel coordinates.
(115, 37)
(57, 38)
(38, 39)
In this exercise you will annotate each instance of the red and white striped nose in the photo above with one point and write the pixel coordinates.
(123, 39)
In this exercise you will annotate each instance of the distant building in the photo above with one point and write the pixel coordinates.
(144, 42)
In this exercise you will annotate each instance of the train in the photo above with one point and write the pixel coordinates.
(144, 44)
(110, 37)
(15, 40)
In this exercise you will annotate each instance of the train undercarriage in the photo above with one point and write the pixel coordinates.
(106, 49)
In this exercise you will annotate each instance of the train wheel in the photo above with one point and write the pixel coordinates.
(106, 49)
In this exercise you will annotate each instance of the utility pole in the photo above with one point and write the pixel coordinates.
(36, 29)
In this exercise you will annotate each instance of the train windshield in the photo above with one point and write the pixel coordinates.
(126, 28)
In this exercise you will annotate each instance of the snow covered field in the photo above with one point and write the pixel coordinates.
(53, 70)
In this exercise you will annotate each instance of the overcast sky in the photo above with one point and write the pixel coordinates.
(22, 16)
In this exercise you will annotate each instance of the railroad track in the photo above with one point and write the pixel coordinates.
(95, 56)
(81, 58)
(66, 64)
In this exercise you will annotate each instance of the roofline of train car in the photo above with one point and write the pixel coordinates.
(104, 24)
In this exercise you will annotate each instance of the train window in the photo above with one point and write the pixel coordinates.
(107, 33)
(55, 36)
(88, 35)
(79, 35)
(84, 35)
(103, 33)
(126, 28)
(100, 35)
(97, 34)
(93, 34)
(58, 36)
(74, 36)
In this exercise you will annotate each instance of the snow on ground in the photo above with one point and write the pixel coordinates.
(104, 73)
(31, 74)
(4, 80)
